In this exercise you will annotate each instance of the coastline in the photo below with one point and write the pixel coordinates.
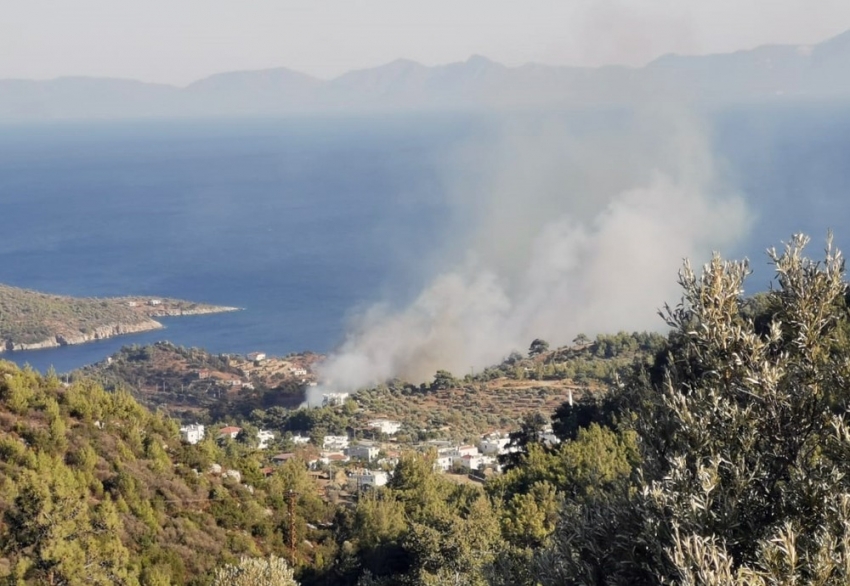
(112, 330)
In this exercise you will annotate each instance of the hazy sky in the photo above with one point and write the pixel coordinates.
(178, 41)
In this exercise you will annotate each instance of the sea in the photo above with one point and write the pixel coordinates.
(305, 221)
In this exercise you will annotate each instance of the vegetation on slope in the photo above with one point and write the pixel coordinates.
(29, 317)
(165, 376)
(192, 384)
(744, 475)
(723, 461)
(95, 489)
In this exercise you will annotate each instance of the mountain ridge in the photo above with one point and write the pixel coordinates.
(766, 72)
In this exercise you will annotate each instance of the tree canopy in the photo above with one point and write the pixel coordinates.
(744, 475)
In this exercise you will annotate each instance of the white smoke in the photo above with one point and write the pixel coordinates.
(564, 231)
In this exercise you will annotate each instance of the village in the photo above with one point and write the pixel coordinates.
(352, 466)
(363, 460)
(352, 442)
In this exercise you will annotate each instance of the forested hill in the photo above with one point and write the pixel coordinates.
(96, 489)
(32, 320)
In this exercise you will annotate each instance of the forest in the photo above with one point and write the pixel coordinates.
(724, 459)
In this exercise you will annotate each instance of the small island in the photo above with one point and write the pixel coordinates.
(31, 320)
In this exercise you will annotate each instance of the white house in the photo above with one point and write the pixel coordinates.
(447, 451)
(300, 440)
(192, 434)
(471, 462)
(335, 442)
(467, 451)
(264, 436)
(363, 452)
(385, 426)
(331, 399)
(298, 371)
(449, 456)
(443, 463)
(494, 445)
(256, 356)
(363, 479)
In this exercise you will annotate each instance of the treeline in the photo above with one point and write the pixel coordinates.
(587, 362)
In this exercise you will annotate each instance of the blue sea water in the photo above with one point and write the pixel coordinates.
(295, 221)
(302, 221)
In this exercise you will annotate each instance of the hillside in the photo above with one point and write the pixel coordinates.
(194, 385)
(767, 73)
(32, 320)
(720, 456)
(95, 489)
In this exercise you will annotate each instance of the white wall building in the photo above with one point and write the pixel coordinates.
(363, 452)
(385, 426)
(443, 463)
(471, 462)
(300, 440)
(331, 399)
(362, 479)
(192, 434)
(263, 438)
(335, 442)
(494, 445)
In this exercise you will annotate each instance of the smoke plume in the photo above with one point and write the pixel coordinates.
(566, 226)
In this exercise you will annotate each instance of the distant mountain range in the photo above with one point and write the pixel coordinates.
(772, 72)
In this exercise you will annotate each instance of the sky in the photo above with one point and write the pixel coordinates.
(179, 41)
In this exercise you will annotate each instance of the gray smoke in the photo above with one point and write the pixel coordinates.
(567, 227)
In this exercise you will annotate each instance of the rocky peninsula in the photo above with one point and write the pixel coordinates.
(31, 320)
